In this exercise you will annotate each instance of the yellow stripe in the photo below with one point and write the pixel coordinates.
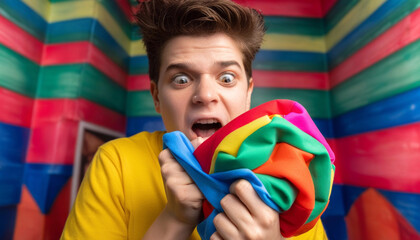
(231, 143)
(39, 6)
(271, 42)
(137, 48)
(357, 15)
(63, 11)
(294, 43)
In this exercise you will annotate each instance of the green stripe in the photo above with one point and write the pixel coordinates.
(396, 74)
(316, 102)
(17, 73)
(140, 104)
(81, 81)
(337, 12)
(293, 25)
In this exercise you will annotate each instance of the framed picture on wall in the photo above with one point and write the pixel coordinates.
(89, 138)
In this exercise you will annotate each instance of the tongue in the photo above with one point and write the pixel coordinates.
(204, 133)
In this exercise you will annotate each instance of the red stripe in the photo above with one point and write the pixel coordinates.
(126, 9)
(13, 37)
(83, 52)
(327, 5)
(386, 159)
(300, 80)
(397, 37)
(288, 8)
(47, 110)
(138, 82)
(338, 179)
(53, 142)
(15, 108)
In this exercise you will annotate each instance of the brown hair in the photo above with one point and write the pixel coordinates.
(162, 20)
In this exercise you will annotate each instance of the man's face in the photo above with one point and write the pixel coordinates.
(202, 84)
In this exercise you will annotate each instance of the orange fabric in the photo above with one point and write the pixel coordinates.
(373, 217)
(297, 173)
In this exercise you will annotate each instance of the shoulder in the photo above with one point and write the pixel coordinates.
(143, 141)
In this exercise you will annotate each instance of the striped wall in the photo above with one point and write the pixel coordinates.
(62, 62)
(354, 64)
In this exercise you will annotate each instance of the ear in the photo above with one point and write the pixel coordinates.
(249, 93)
(154, 91)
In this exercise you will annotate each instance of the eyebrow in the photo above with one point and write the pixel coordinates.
(185, 66)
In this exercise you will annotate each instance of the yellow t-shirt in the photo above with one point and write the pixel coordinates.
(122, 193)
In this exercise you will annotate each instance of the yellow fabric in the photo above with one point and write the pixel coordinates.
(231, 143)
(123, 193)
(316, 233)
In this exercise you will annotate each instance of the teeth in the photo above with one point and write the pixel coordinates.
(207, 121)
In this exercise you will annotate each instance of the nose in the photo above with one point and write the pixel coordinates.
(205, 91)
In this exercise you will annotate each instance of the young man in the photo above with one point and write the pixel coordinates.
(200, 54)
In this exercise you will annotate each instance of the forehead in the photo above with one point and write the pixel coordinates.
(200, 50)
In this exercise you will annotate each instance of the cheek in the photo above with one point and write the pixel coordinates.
(237, 102)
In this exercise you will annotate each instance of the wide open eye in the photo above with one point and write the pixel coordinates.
(181, 79)
(227, 78)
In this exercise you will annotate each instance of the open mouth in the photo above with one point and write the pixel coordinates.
(206, 127)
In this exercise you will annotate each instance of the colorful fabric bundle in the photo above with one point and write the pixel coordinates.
(278, 149)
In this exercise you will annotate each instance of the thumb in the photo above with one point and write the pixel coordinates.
(197, 142)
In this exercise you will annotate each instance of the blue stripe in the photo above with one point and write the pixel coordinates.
(7, 222)
(408, 204)
(336, 205)
(394, 111)
(23, 16)
(45, 181)
(139, 65)
(335, 227)
(325, 127)
(367, 30)
(290, 61)
(109, 46)
(11, 178)
(139, 124)
(73, 30)
(13, 143)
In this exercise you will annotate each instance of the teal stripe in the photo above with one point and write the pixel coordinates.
(316, 102)
(396, 74)
(81, 81)
(135, 33)
(337, 12)
(294, 25)
(140, 103)
(17, 73)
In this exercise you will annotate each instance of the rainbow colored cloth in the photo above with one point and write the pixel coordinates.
(278, 149)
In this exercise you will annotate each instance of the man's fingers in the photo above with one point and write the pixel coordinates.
(225, 228)
(236, 211)
(247, 195)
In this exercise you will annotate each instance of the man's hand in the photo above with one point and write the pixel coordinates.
(184, 197)
(245, 216)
